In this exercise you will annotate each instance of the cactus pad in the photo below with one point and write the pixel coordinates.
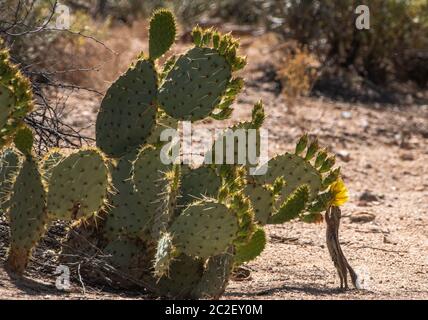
(215, 277)
(78, 186)
(128, 111)
(27, 215)
(253, 248)
(7, 102)
(166, 209)
(49, 161)
(296, 171)
(184, 274)
(162, 123)
(127, 213)
(204, 229)
(126, 255)
(198, 183)
(16, 99)
(24, 140)
(195, 85)
(162, 33)
(292, 207)
(262, 201)
(149, 178)
(10, 164)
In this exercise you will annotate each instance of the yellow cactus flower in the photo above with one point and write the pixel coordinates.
(339, 192)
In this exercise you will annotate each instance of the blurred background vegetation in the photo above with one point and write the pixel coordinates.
(395, 47)
(318, 48)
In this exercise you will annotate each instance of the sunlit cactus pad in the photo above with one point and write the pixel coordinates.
(195, 85)
(128, 111)
(78, 186)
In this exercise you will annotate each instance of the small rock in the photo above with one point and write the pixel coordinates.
(388, 240)
(409, 99)
(368, 196)
(364, 123)
(407, 156)
(344, 155)
(347, 114)
(361, 217)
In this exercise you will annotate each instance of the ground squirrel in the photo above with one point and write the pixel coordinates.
(332, 218)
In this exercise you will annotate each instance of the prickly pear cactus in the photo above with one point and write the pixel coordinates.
(215, 277)
(201, 84)
(27, 215)
(204, 229)
(253, 248)
(49, 162)
(126, 213)
(64, 186)
(16, 99)
(198, 183)
(78, 186)
(162, 33)
(10, 164)
(128, 110)
(179, 229)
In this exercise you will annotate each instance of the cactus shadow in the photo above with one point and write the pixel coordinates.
(31, 286)
(311, 289)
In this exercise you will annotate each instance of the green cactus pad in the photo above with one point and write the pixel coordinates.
(296, 172)
(126, 255)
(261, 200)
(7, 103)
(215, 277)
(204, 229)
(24, 140)
(27, 215)
(150, 180)
(78, 186)
(195, 85)
(161, 33)
(162, 123)
(292, 207)
(232, 134)
(184, 275)
(198, 183)
(127, 213)
(16, 99)
(168, 65)
(49, 161)
(10, 165)
(166, 209)
(128, 111)
(253, 248)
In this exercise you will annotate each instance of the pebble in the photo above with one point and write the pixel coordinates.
(407, 157)
(347, 114)
(361, 217)
(344, 155)
(388, 240)
(369, 196)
